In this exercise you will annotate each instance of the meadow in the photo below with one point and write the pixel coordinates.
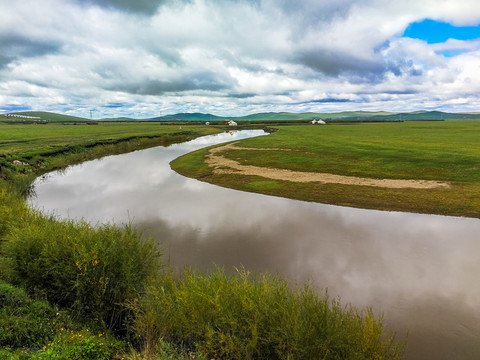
(48, 138)
(442, 151)
(72, 291)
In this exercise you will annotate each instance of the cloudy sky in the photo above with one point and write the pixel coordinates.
(143, 58)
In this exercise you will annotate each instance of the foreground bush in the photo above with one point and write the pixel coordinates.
(94, 271)
(240, 317)
(32, 329)
(26, 323)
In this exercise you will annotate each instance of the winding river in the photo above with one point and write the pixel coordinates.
(419, 270)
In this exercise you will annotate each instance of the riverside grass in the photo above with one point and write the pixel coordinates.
(110, 279)
(244, 316)
(447, 151)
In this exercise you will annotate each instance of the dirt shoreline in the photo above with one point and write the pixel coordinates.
(223, 165)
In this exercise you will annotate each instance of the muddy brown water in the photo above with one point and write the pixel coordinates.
(421, 271)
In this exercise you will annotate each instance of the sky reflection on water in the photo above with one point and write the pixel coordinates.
(420, 270)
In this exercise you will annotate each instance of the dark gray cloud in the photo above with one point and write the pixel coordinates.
(147, 7)
(200, 81)
(16, 46)
(335, 63)
(313, 11)
(402, 66)
(242, 95)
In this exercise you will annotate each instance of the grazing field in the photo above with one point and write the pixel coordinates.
(435, 165)
(24, 139)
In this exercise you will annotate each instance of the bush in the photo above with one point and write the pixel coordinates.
(96, 272)
(26, 323)
(241, 317)
(78, 345)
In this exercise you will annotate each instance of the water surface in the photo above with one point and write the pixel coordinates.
(420, 270)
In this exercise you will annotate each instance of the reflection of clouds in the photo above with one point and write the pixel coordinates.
(420, 269)
(139, 184)
(414, 280)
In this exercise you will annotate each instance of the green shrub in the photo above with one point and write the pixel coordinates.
(94, 271)
(32, 329)
(78, 345)
(26, 323)
(241, 317)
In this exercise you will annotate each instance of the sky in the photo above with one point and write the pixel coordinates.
(145, 58)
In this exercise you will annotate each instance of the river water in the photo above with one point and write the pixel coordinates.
(421, 271)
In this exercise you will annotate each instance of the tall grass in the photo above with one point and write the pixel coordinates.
(95, 271)
(243, 317)
(32, 329)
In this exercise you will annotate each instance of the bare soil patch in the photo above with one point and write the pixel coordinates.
(223, 165)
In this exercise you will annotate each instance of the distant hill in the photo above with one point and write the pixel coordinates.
(41, 116)
(270, 116)
(346, 115)
(188, 117)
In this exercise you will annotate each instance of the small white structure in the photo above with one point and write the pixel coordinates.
(207, 123)
(231, 123)
(317, 121)
(23, 116)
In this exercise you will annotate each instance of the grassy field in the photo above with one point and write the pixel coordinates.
(21, 139)
(447, 151)
(72, 291)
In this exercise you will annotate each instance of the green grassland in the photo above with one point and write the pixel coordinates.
(72, 291)
(31, 138)
(447, 151)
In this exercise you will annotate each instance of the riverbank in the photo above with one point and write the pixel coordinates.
(429, 168)
(109, 296)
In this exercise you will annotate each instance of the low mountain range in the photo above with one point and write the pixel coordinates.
(270, 116)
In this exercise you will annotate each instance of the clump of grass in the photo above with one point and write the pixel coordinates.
(33, 329)
(94, 271)
(242, 317)
(79, 345)
(27, 323)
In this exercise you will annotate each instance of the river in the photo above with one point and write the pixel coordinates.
(419, 270)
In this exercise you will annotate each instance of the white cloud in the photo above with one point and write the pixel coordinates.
(232, 57)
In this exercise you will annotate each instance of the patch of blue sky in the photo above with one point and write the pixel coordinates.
(434, 32)
(114, 105)
(8, 108)
(451, 52)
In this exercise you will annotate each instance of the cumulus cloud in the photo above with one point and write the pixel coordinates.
(233, 56)
(146, 7)
(14, 47)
